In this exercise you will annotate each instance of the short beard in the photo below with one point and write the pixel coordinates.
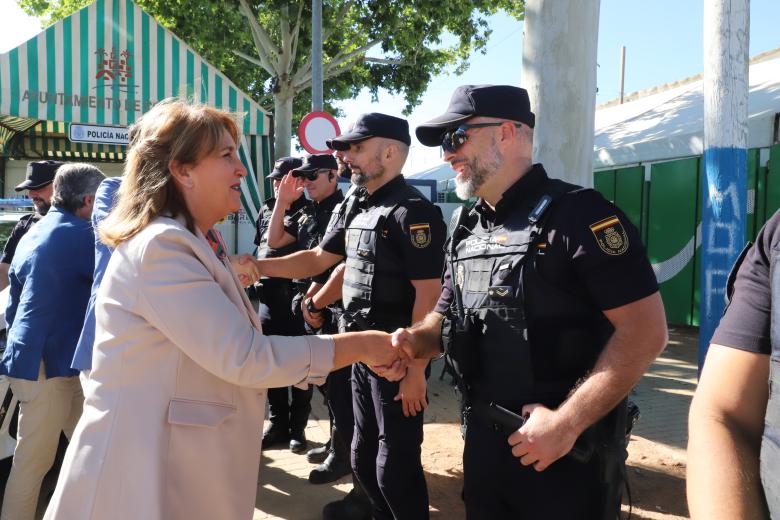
(345, 172)
(43, 210)
(361, 178)
(479, 171)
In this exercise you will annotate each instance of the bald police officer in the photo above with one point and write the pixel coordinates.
(392, 240)
(549, 309)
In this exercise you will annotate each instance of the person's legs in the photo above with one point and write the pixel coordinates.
(399, 466)
(45, 410)
(300, 407)
(278, 430)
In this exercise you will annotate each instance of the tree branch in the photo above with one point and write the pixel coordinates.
(385, 61)
(285, 58)
(340, 16)
(334, 67)
(295, 35)
(267, 50)
(254, 61)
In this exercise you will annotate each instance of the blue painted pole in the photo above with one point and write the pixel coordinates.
(724, 183)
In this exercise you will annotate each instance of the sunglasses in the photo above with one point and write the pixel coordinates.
(454, 139)
(310, 176)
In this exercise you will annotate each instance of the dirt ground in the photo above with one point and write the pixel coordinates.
(656, 463)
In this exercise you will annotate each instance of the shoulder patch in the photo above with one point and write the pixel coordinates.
(610, 235)
(420, 235)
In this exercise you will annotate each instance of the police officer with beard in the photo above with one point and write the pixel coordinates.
(392, 243)
(318, 176)
(734, 424)
(287, 417)
(40, 175)
(549, 310)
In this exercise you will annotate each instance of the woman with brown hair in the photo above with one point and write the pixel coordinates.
(174, 406)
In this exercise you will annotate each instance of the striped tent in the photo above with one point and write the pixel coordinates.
(107, 64)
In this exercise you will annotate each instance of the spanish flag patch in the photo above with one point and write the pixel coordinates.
(610, 235)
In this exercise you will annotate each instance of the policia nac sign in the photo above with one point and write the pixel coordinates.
(610, 235)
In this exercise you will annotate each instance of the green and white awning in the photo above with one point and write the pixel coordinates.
(107, 64)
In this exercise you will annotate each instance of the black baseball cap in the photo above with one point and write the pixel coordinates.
(39, 174)
(323, 161)
(500, 101)
(284, 166)
(370, 125)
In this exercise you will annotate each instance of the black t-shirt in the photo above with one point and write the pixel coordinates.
(419, 263)
(21, 227)
(592, 249)
(745, 325)
(264, 219)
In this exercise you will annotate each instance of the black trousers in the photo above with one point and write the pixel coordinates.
(289, 406)
(497, 486)
(386, 449)
(338, 396)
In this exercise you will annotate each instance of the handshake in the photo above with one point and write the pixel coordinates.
(387, 355)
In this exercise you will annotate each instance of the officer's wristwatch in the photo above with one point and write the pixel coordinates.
(311, 308)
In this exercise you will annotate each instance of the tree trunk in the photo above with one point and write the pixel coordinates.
(559, 72)
(283, 111)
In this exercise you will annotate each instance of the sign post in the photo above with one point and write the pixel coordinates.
(315, 129)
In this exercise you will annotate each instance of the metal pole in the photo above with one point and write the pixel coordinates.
(724, 184)
(622, 71)
(316, 55)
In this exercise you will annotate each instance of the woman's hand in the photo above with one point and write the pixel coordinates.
(246, 268)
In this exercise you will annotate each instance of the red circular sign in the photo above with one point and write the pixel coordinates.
(315, 129)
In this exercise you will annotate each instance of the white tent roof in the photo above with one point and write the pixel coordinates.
(441, 172)
(670, 123)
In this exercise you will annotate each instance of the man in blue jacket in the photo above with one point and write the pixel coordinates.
(50, 276)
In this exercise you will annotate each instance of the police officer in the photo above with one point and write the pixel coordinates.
(318, 176)
(392, 241)
(550, 310)
(734, 424)
(40, 175)
(287, 418)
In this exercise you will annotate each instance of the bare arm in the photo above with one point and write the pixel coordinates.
(640, 335)
(4, 268)
(330, 292)
(724, 436)
(423, 339)
(412, 388)
(301, 264)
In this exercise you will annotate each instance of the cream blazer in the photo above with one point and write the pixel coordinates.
(174, 407)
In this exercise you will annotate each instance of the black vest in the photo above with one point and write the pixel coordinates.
(494, 267)
(376, 290)
(263, 250)
(770, 442)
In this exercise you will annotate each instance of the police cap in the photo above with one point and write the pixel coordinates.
(324, 161)
(500, 101)
(283, 166)
(370, 125)
(39, 174)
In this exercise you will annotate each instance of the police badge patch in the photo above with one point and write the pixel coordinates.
(420, 235)
(610, 235)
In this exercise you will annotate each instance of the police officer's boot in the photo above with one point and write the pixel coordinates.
(300, 406)
(354, 506)
(336, 465)
(318, 455)
(275, 434)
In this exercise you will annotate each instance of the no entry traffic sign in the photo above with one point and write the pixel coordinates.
(315, 129)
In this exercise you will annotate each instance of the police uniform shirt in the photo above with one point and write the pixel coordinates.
(320, 212)
(417, 232)
(592, 250)
(21, 227)
(746, 323)
(263, 221)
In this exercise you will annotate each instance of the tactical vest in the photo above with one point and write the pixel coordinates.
(770, 442)
(376, 292)
(494, 269)
(263, 249)
(313, 220)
